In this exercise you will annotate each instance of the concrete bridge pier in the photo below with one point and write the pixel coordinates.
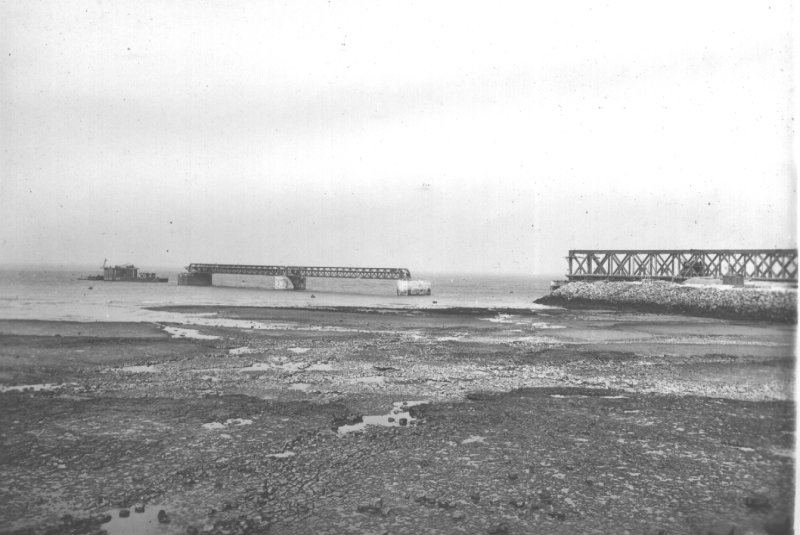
(194, 279)
(299, 282)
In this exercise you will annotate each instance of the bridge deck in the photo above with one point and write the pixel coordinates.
(303, 271)
(681, 264)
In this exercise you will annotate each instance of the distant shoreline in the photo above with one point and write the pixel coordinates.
(753, 303)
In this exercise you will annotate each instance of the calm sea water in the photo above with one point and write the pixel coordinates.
(58, 294)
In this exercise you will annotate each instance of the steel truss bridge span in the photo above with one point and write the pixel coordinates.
(681, 264)
(302, 271)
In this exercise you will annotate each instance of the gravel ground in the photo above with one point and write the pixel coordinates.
(559, 421)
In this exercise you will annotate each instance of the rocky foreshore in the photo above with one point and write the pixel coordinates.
(757, 303)
(292, 421)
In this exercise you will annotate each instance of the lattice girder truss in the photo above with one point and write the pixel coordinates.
(303, 271)
(754, 264)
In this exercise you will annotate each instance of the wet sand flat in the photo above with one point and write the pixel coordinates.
(555, 421)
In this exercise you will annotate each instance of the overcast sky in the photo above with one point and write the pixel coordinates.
(449, 136)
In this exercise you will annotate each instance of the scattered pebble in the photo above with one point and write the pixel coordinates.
(757, 502)
(372, 507)
(498, 529)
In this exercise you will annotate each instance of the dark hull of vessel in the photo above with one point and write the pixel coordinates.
(125, 273)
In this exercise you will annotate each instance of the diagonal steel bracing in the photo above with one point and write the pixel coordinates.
(681, 264)
(303, 271)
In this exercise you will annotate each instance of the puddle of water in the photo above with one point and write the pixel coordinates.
(145, 523)
(374, 379)
(397, 417)
(299, 350)
(281, 455)
(139, 369)
(303, 387)
(34, 388)
(518, 320)
(179, 332)
(474, 438)
(502, 318)
(229, 422)
(213, 425)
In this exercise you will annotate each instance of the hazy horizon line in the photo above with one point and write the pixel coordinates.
(172, 267)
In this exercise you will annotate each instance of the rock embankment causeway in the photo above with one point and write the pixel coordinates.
(658, 296)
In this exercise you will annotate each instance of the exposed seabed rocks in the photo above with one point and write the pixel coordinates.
(551, 421)
(750, 303)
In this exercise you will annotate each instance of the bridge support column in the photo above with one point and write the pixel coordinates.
(194, 279)
(298, 282)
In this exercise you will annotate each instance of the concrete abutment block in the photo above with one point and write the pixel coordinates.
(194, 279)
(291, 282)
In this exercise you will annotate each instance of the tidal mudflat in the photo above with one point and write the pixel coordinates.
(349, 420)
